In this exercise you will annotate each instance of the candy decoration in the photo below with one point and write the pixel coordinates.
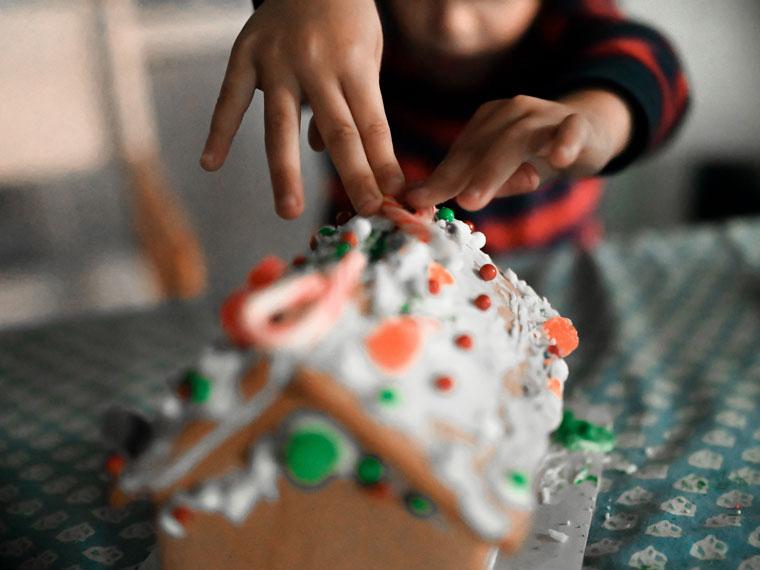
(115, 464)
(200, 387)
(395, 344)
(518, 479)
(310, 456)
(555, 387)
(464, 341)
(446, 214)
(488, 272)
(297, 312)
(350, 238)
(405, 309)
(182, 515)
(577, 434)
(379, 490)
(388, 396)
(419, 505)
(470, 224)
(444, 383)
(269, 270)
(563, 333)
(313, 243)
(230, 313)
(343, 217)
(438, 276)
(483, 302)
(434, 286)
(370, 470)
(327, 231)
(378, 249)
(299, 261)
(413, 224)
(342, 249)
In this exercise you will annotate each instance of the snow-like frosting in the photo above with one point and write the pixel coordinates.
(455, 356)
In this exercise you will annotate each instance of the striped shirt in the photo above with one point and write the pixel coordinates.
(571, 45)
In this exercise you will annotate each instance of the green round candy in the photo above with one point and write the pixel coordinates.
(370, 470)
(327, 231)
(342, 249)
(419, 505)
(200, 387)
(311, 456)
(388, 396)
(446, 214)
(518, 479)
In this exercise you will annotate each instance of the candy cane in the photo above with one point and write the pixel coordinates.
(315, 301)
(415, 224)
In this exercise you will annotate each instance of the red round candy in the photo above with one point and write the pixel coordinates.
(230, 317)
(488, 272)
(115, 464)
(299, 260)
(182, 515)
(434, 286)
(269, 270)
(464, 341)
(379, 490)
(444, 383)
(350, 238)
(343, 217)
(483, 302)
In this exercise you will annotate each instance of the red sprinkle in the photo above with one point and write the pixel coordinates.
(115, 464)
(470, 225)
(434, 286)
(184, 391)
(231, 317)
(350, 238)
(483, 302)
(444, 383)
(182, 515)
(488, 272)
(269, 270)
(343, 217)
(313, 243)
(464, 341)
(299, 260)
(379, 490)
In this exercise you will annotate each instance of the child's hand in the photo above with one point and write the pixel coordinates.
(511, 146)
(328, 53)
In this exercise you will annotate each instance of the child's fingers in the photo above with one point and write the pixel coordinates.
(525, 179)
(234, 99)
(568, 142)
(282, 121)
(341, 137)
(366, 103)
(315, 139)
(446, 181)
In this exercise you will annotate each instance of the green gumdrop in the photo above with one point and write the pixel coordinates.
(577, 434)
(342, 249)
(446, 214)
(327, 231)
(311, 456)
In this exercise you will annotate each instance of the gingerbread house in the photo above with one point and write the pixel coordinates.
(382, 402)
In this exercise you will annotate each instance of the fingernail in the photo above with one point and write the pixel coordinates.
(207, 159)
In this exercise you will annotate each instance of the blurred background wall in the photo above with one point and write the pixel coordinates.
(67, 239)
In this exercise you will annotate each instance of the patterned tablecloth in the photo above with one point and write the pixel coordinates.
(670, 328)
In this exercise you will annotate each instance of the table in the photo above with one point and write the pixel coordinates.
(670, 327)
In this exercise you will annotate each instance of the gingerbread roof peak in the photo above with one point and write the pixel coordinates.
(406, 313)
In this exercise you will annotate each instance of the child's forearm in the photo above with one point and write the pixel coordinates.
(608, 111)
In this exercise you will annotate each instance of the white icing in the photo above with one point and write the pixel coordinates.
(679, 506)
(665, 529)
(709, 548)
(649, 558)
(706, 459)
(734, 499)
(692, 483)
(473, 436)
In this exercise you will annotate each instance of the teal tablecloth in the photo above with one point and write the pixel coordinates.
(670, 328)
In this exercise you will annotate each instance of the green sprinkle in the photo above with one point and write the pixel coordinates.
(446, 214)
(342, 249)
(419, 505)
(388, 396)
(405, 309)
(518, 478)
(311, 456)
(370, 470)
(378, 249)
(582, 435)
(200, 387)
(327, 231)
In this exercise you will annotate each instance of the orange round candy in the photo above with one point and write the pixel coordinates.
(564, 335)
(269, 270)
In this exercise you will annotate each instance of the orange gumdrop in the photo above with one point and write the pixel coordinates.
(230, 317)
(268, 270)
(564, 335)
(555, 387)
(395, 343)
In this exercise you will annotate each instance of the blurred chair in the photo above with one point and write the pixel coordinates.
(75, 94)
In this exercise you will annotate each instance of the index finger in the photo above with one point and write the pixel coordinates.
(235, 97)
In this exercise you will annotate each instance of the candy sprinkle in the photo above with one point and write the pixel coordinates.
(488, 272)
(445, 214)
(419, 505)
(342, 249)
(464, 341)
(444, 383)
(182, 515)
(350, 238)
(327, 231)
(114, 465)
(388, 396)
(483, 302)
(370, 470)
(434, 286)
